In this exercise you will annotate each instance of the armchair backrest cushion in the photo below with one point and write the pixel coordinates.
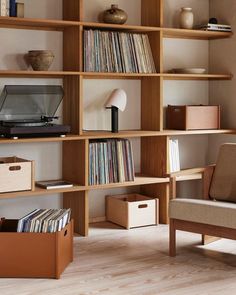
(223, 185)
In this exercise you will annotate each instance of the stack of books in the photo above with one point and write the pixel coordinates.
(215, 27)
(110, 161)
(117, 52)
(44, 221)
(174, 155)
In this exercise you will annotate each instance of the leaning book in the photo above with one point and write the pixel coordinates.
(54, 184)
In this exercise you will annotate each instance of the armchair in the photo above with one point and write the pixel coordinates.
(215, 213)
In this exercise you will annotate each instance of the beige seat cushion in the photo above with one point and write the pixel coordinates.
(206, 212)
(223, 186)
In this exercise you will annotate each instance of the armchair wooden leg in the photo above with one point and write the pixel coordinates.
(172, 239)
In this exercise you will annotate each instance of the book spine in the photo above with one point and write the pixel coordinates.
(13, 8)
(3, 7)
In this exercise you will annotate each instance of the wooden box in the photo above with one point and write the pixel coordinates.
(35, 255)
(16, 174)
(132, 210)
(193, 117)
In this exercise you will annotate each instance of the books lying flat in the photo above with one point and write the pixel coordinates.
(54, 184)
(215, 27)
(44, 220)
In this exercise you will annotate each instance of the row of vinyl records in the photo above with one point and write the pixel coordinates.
(44, 221)
(117, 52)
(110, 161)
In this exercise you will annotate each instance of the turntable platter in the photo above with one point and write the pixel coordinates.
(24, 123)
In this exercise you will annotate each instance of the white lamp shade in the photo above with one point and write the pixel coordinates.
(117, 98)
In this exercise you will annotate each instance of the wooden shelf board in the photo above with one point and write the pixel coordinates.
(168, 76)
(60, 25)
(144, 180)
(41, 191)
(35, 23)
(97, 75)
(194, 34)
(141, 133)
(94, 25)
(139, 180)
(122, 134)
(198, 132)
(39, 139)
(37, 74)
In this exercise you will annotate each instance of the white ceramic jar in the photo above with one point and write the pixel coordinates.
(186, 18)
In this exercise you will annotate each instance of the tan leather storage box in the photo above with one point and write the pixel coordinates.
(36, 255)
(195, 117)
(132, 210)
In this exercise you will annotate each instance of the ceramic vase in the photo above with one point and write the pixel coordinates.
(186, 18)
(114, 15)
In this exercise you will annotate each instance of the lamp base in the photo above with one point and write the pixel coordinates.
(114, 120)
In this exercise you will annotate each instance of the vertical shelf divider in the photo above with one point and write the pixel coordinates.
(154, 151)
(152, 13)
(75, 169)
(73, 10)
(75, 154)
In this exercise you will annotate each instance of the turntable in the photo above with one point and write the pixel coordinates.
(29, 111)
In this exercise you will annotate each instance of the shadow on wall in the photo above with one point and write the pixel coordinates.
(96, 116)
(19, 59)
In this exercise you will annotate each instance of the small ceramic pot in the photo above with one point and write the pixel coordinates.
(40, 60)
(186, 18)
(114, 15)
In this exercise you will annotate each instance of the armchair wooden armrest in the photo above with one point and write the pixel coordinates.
(206, 172)
(186, 172)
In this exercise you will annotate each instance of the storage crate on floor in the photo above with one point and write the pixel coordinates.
(16, 174)
(36, 255)
(132, 210)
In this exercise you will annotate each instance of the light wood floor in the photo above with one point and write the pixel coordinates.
(116, 261)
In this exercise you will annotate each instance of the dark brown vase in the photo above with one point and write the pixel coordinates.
(115, 15)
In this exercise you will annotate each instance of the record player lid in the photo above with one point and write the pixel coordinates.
(29, 101)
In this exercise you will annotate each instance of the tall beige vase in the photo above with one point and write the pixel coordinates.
(186, 18)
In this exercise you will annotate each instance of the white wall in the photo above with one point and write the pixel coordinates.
(223, 60)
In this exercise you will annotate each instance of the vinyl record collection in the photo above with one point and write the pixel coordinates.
(44, 221)
(117, 52)
(110, 161)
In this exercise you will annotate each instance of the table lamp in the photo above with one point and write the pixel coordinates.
(116, 101)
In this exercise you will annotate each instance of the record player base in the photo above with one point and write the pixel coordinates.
(41, 131)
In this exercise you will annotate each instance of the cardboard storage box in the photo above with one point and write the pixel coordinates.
(193, 117)
(132, 210)
(16, 174)
(36, 255)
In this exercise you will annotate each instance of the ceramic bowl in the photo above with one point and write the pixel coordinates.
(40, 60)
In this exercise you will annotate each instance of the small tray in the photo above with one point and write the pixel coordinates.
(189, 71)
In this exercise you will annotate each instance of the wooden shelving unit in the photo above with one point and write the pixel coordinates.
(154, 139)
